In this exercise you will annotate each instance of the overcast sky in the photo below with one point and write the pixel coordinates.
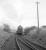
(24, 12)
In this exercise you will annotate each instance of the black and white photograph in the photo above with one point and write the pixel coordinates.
(22, 24)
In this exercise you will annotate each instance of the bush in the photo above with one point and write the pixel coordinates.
(28, 29)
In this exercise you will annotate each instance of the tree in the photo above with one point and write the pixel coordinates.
(6, 28)
(28, 29)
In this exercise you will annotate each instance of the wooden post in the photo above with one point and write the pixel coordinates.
(37, 16)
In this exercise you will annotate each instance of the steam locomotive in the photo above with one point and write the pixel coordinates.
(19, 30)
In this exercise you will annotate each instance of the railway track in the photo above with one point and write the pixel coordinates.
(36, 45)
(24, 46)
(21, 44)
(30, 44)
(24, 43)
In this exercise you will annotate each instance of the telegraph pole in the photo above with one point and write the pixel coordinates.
(37, 16)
